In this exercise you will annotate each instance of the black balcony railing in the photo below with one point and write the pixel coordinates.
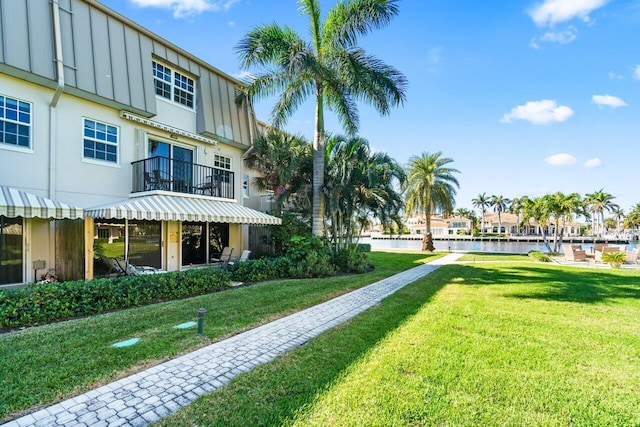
(163, 173)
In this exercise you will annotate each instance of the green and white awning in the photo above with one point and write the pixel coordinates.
(15, 203)
(176, 208)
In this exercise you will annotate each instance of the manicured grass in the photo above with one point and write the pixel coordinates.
(44, 364)
(474, 344)
(484, 256)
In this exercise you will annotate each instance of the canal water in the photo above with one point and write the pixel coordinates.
(473, 246)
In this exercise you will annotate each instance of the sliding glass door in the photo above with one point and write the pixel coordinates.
(173, 167)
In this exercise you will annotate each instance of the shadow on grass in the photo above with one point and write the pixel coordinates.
(555, 283)
(278, 392)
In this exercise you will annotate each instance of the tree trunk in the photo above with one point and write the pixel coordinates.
(317, 213)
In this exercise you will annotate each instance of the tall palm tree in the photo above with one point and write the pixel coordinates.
(499, 204)
(329, 67)
(481, 202)
(598, 203)
(280, 158)
(359, 185)
(430, 185)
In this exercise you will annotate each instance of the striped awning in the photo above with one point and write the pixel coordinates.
(175, 208)
(15, 203)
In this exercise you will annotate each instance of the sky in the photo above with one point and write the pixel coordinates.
(527, 97)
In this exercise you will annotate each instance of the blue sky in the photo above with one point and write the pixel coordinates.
(527, 97)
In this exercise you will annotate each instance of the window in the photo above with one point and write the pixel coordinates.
(173, 85)
(245, 185)
(15, 122)
(222, 162)
(100, 141)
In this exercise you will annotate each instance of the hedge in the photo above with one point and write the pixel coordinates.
(48, 302)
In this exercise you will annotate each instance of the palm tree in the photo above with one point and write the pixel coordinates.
(538, 210)
(599, 202)
(499, 204)
(329, 67)
(632, 219)
(481, 202)
(359, 185)
(280, 158)
(515, 207)
(561, 207)
(618, 215)
(430, 185)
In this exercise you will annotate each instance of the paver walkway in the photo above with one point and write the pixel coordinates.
(149, 395)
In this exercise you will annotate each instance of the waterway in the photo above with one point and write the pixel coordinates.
(470, 246)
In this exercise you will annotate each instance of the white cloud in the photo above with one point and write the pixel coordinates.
(593, 163)
(551, 12)
(615, 76)
(184, 8)
(561, 159)
(539, 112)
(608, 101)
(562, 37)
(636, 72)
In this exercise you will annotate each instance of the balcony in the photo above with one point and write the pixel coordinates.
(165, 174)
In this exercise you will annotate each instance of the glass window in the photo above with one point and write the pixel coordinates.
(100, 141)
(173, 85)
(10, 250)
(15, 122)
(222, 162)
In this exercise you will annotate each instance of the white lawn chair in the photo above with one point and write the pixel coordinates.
(243, 257)
(224, 258)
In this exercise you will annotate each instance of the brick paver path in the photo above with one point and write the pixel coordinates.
(149, 395)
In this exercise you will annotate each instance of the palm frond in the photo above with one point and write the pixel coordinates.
(347, 20)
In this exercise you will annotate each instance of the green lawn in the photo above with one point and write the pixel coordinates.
(474, 344)
(44, 364)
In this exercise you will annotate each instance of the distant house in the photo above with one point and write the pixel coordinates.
(440, 226)
(510, 226)
(114, 140)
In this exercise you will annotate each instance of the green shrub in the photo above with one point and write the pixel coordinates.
(539, 256)
(363, 247)
(48, 302)
(351, 261)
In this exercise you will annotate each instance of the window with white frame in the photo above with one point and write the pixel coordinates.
(15, 122)
(173, 85)
(100, 141)
(245, 185)
(222, 162)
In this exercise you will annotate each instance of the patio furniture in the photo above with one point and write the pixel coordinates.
(632, 256)
(115, 269)
(574, 253)
(224, 257)
(243, 257)
(609, 249)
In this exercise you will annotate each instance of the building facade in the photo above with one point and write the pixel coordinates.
(101, 116)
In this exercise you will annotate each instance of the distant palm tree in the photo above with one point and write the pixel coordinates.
(537, 209)
(430, 185)
(599, 202)
(330, 67)
(481, 202)
(561, 207)
(515, 207)
(499, 204)
(618, 215)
